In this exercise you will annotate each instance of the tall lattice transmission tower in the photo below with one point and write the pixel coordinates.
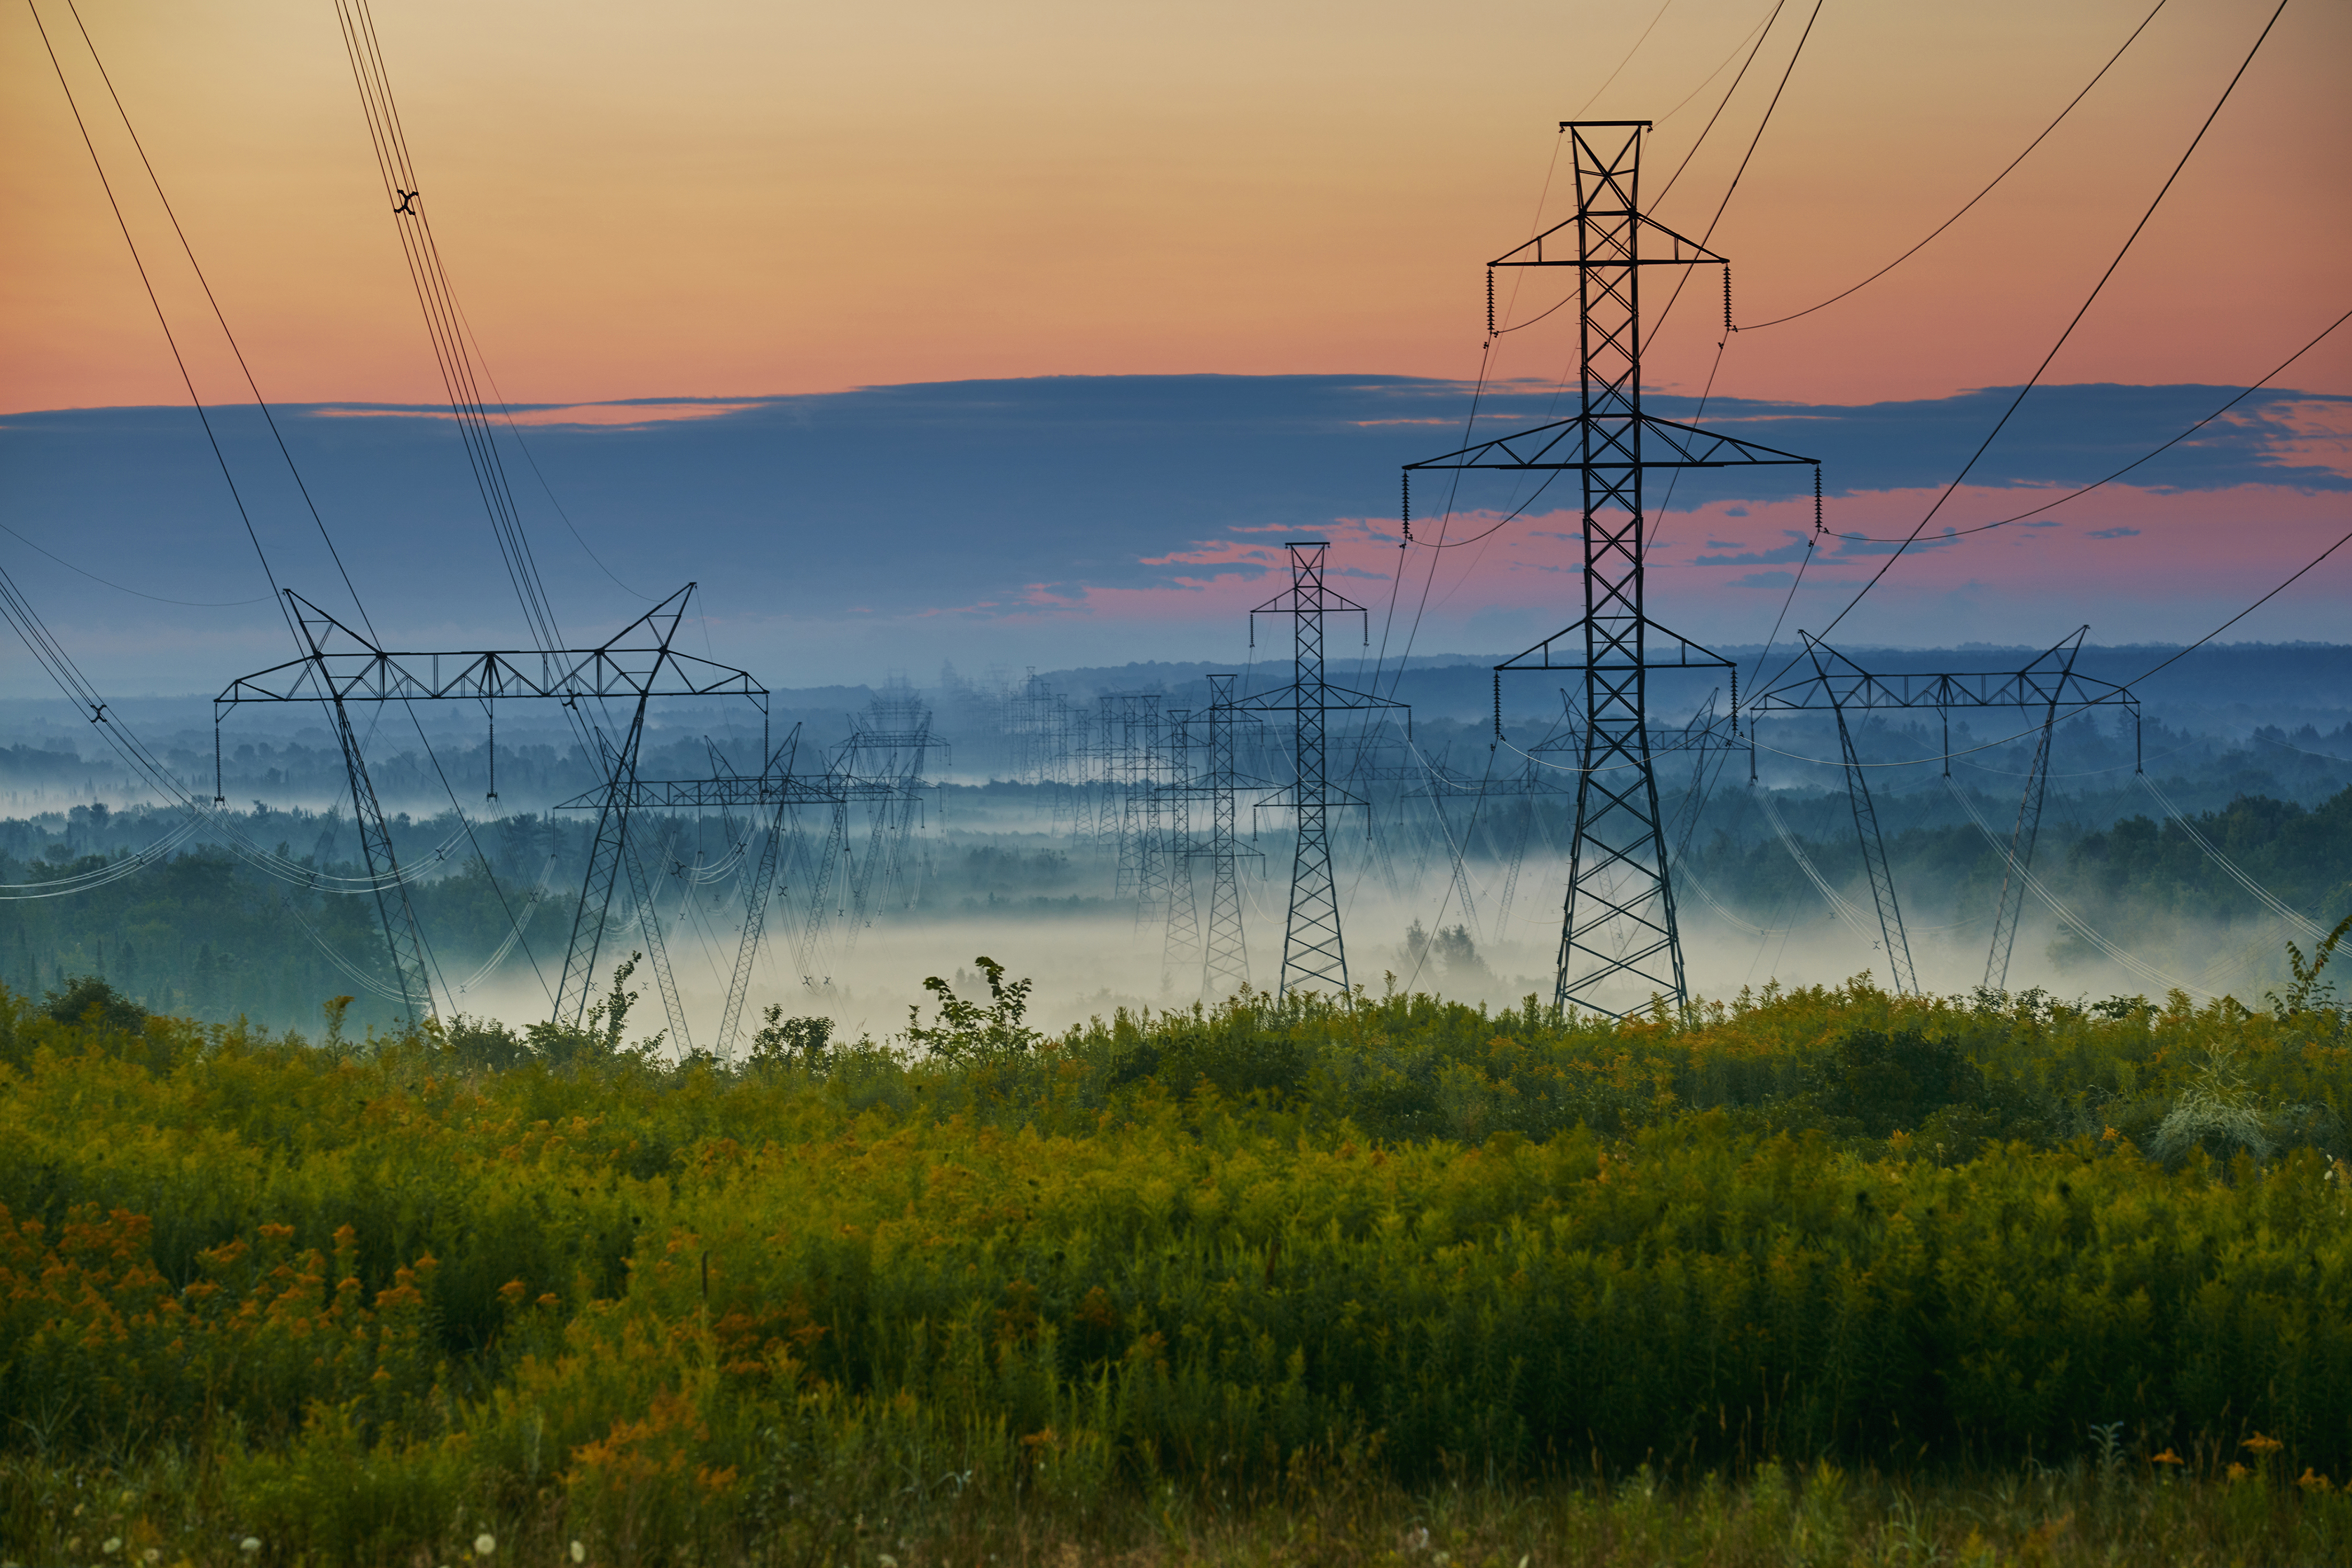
(1314, 952)
(1227, 967)
(1202, 762)
(1619, 944)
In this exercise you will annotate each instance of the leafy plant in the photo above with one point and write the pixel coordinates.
(2308, 991)
(967, 1033)
(78, 998)
(800, 1042)
(600, 1035)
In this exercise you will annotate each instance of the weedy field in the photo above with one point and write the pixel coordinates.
(1824, 1276)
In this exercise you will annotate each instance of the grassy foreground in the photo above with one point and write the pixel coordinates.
(1830, 1276)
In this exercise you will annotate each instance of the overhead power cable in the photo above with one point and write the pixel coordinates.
(2146, 456)
(2299, 573)
(160, 777)
(120, 588)
(113, 870)
(1709, 80)
(2073, 322)
(2262, 895)
(178, 360)
(1843, 906)
(1723, 104)
(445, 324)
(1740, 173)
(2058, 906)
(206, 283)
(1980, 196)
(1654, 20)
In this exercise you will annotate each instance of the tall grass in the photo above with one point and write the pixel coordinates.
(356, 1302)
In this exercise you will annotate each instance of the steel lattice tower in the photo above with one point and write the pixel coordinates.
(1130, 722)
(1618, 943)
(634, 664)
(1838, 686)
(1180, 948)
(1153, 889)
(1312, 952)
(1227, 968)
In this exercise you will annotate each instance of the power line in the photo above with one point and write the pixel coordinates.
(1706, 81)
(1980, 196)
(436, 299)
(2076, 321)
(1730, 191)
(119, 587)
(261, 402)
(1628, 60)
(1726, 102)
(160, 321)
(205, 284)
(2250, 609)
(1986, 528)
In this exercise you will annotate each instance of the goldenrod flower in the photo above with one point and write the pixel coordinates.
(2263, 1444)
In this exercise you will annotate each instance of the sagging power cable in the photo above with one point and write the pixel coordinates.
(2146, 456)
(2075, 320)
(156, 774)
(1966, 207)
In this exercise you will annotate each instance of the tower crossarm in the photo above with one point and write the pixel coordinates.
(634, 663)
(1333, 699)
(1679, 653)
(1586, 442)
(1960, 689)
(1549, 249)
(2051, 681)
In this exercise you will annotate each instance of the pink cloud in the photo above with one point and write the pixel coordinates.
(602, 415)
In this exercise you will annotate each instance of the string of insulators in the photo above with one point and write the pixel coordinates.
(1817, 498)
(1734, 699)
(218, 799)
(1727, 328)
(1498, 709)
(494, 754)
(1407, 509)
(1490, 302)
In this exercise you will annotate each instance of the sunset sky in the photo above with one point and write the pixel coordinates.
(741, 202)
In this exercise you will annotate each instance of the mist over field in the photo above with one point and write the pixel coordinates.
(992, 858)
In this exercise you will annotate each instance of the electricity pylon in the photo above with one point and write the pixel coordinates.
(1313, 950)
(1617, 926)
(776, 791)
(1223, 960)
(1227, 968)
(1180, 947)
(2044, 686)
(634, 664)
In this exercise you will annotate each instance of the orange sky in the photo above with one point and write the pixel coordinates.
(707, 198)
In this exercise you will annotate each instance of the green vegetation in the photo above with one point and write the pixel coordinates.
(1825, 1275)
